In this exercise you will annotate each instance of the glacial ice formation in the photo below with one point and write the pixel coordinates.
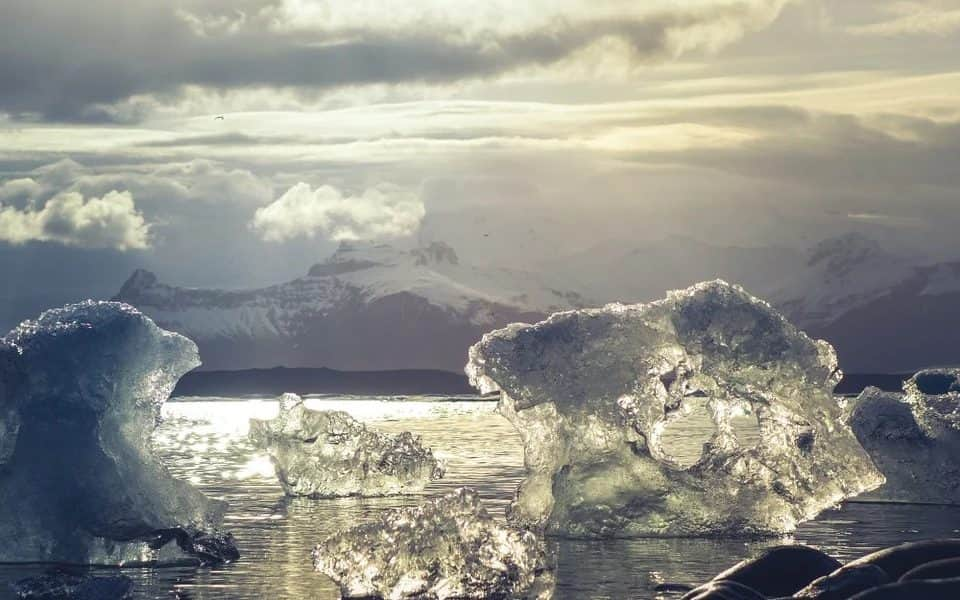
(913, 438)
(328, 454)
(592, 391)
(934, 395)
(80, 392)
(449, 547)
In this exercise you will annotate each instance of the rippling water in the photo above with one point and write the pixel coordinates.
(204, 440)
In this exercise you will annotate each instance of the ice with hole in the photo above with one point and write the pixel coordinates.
(449, 547)
(81, 389)
(593, 394)
(914, 437)
(329, 454)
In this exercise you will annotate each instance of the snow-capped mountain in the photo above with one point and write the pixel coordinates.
(883, 311)
(630, 271)
(840, 274)
(380, 307)
(366, 307)
(909, 325)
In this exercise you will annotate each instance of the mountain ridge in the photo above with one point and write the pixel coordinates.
(376, 306)
(369, 306)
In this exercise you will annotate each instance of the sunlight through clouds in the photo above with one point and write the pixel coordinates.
(742, 122)
(384, 211)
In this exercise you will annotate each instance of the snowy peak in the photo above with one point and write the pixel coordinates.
(350, 251)
(839, 257)
(840, 274)
(332, 269)
(140, 280)
(357, 256)
(435, 253)
(368, 306)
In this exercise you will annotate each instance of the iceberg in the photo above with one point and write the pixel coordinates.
(329, 454)
(914, 437)
(592, 392)
(81, 389)
(449, 547)
(934, 396)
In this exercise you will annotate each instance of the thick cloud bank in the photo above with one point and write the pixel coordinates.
(111, 221)
(88, 70)
(376, 213)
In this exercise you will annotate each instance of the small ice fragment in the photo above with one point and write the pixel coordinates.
(328, 454)
(914, 437)
(449, 547)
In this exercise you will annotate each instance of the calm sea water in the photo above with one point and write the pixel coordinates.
(204, 440)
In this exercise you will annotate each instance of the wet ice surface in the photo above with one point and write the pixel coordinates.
(329, 454)
(448, 547)
(205, 441)
(593, 390)
(81, 388)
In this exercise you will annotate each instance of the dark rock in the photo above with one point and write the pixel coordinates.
(897, 560)
(844, 583)
(206, 548)
(781, 571)
(63, 585)
(948, 568)
(673, 587)
(105, 588)
(724, 590)
(213, 548)
(941, 589)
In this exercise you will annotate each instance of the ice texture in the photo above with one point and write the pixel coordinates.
(449, 547)
(914, 437)
(328, 454)
(80, 393)
(591, 392)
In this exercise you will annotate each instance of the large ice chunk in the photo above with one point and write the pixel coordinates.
(80, 392)
(327, 454)
(591, 393)
(913, 438)
(447, 548)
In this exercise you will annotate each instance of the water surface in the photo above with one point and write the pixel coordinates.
(204, 440)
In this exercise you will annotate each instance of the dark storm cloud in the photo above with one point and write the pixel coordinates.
(885, 169)
(72, 61)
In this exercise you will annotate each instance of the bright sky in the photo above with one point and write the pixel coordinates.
(583, 121)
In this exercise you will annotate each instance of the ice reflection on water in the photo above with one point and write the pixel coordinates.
(205, 441)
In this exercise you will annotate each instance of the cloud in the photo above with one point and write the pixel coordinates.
(890, 220)
(872, 154)
(384, 211)
(89, 73)
(913, 18)
(18, 191)
(111, 221)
